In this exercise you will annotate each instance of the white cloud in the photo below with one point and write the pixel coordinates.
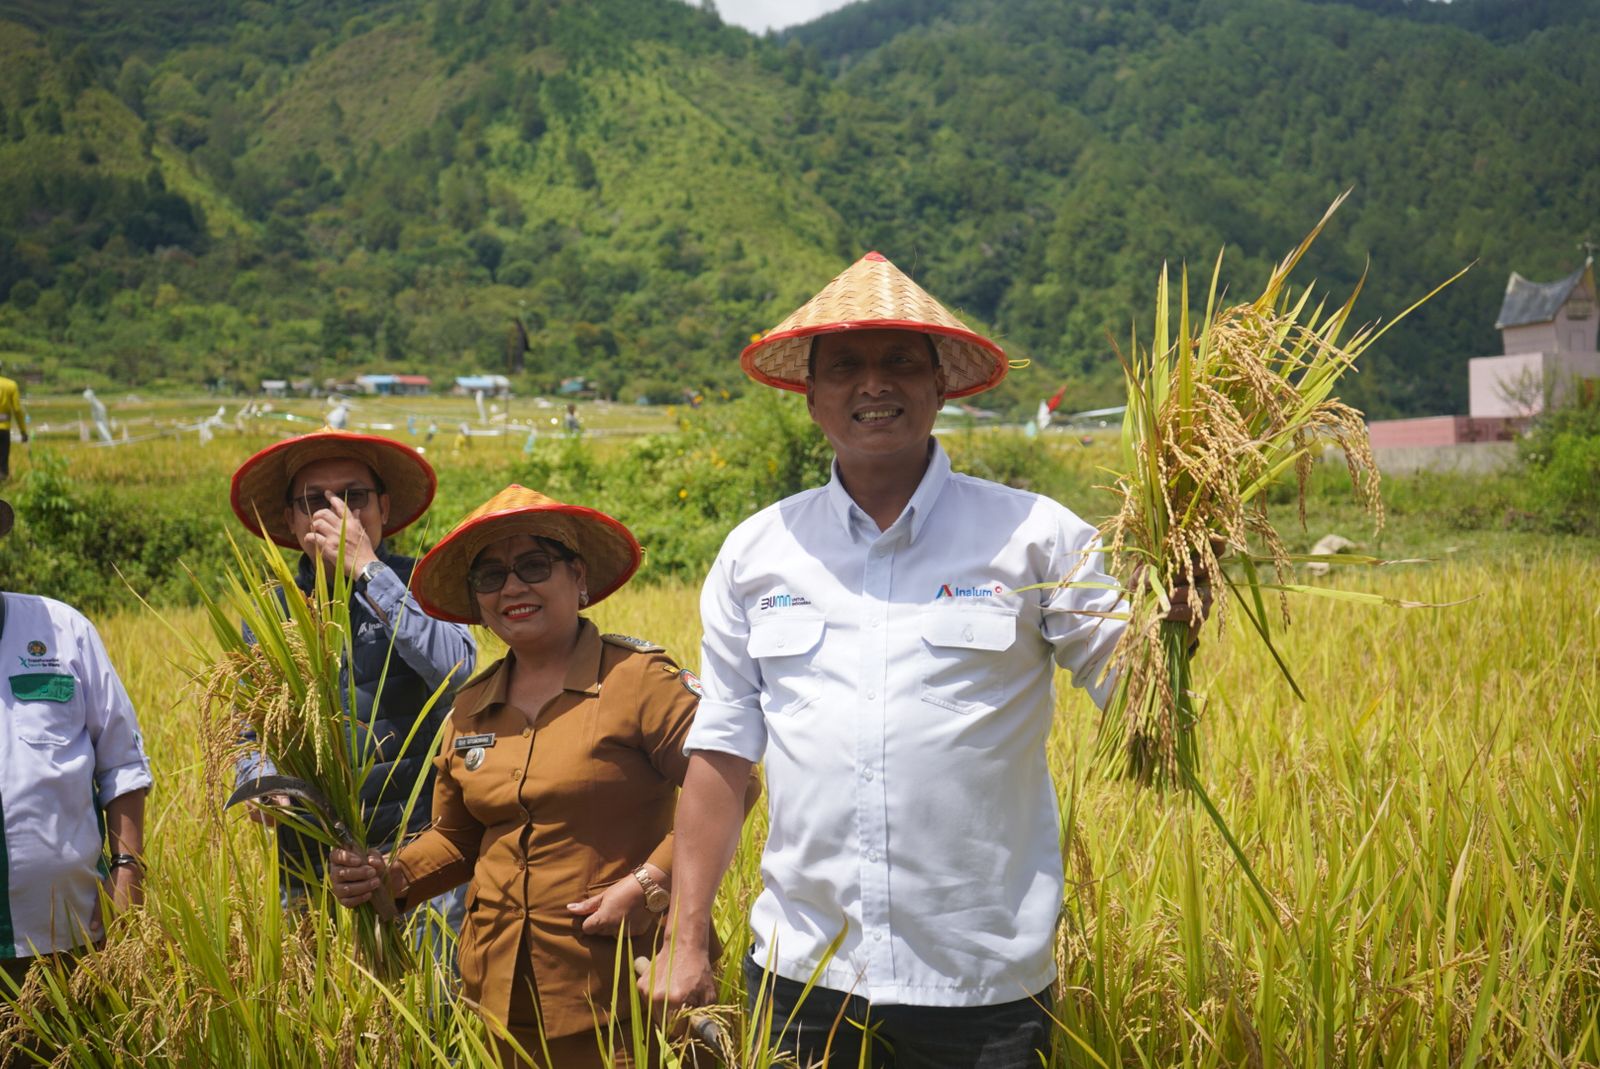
(758, 16)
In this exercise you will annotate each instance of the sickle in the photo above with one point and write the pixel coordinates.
(705, 1029)
(317, 802)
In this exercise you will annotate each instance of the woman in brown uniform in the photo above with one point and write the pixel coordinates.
(557, 779)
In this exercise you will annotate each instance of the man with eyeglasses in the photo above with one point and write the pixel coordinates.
(337, 496)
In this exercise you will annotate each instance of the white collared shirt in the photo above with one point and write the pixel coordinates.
(69, 744)
(901, 696)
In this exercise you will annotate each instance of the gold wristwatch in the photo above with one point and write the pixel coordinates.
(655, 896)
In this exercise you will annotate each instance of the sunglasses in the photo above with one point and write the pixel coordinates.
(534, 568)
(355, 498)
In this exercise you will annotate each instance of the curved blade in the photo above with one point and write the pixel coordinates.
(264, 786)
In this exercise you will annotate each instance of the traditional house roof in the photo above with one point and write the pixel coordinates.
(1535, 302)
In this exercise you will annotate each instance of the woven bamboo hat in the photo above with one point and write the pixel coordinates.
(610, 553)
(873, 294)
(261, 485)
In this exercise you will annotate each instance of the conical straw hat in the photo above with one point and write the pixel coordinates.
(873, 294)
(610, 553)
(261, 485)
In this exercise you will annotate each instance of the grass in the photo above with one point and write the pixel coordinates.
(1427, 820)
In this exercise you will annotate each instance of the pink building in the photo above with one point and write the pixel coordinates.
(1549, 330)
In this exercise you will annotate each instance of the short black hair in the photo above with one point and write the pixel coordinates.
(811, 351)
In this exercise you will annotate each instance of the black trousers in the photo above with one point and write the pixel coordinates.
(5, 453)
(830, 1028)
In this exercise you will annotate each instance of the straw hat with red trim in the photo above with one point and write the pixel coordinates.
(873, 294)
(261, 485)
(610, 553)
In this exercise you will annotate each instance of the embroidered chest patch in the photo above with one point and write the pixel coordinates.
(43, 687)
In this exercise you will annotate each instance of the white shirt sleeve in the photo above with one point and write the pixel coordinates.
(120, 764)
(729, 719)
(1083, 644)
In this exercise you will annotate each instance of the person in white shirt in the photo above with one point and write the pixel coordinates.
(70, 757)
(872, 641)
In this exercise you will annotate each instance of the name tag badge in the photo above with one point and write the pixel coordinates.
(475, 746)
(43, 687)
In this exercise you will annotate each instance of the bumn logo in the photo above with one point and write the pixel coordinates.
(782, 601)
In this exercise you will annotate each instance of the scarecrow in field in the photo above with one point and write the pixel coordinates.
(866, 640)
(73, 779)
(305, 493)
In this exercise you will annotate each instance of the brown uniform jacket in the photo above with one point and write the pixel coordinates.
(553, 814)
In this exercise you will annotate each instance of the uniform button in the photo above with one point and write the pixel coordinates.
(967, 634)
(517, 774)
(526, 732)
(873, 624)
(872, 695)
(523, 864)
(872, 855)
(877, 936)
(867, 775)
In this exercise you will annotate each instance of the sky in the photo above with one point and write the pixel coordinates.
(762, 15)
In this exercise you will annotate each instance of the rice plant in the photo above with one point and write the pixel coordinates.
(1220, 409)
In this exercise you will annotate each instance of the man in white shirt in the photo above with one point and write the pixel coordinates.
(70, 756)
(868, 640)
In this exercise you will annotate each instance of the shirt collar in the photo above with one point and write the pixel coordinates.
(853, 518)
(583, 674)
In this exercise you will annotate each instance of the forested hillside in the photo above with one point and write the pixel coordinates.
(284, 189)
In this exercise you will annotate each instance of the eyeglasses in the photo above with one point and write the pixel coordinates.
(355, 498)
(534, 568)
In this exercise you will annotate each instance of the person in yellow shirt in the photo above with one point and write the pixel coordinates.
(10, 409)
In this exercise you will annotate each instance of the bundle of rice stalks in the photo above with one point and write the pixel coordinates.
(1218, 413)
(277, 690)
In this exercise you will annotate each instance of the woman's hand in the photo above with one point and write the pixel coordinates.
(354, 877)
(619, 907)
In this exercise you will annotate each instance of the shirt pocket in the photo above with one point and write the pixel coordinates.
(784, 647)
(46, 723)
(962, 651)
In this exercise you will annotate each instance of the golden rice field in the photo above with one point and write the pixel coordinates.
(1428, 823)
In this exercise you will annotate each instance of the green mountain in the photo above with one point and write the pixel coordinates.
(285, 189)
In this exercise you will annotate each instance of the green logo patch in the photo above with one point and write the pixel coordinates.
(43, 687)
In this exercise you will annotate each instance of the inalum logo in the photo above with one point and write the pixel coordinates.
(948, 591)
(36, 648)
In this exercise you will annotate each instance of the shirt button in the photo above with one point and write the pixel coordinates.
(872, 695)
(526, 732)
(877, 936)
(867, 775)
(872, 855)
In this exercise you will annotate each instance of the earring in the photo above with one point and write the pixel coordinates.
(583, 598)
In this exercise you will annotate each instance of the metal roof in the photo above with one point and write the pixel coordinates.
(1535, 302)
